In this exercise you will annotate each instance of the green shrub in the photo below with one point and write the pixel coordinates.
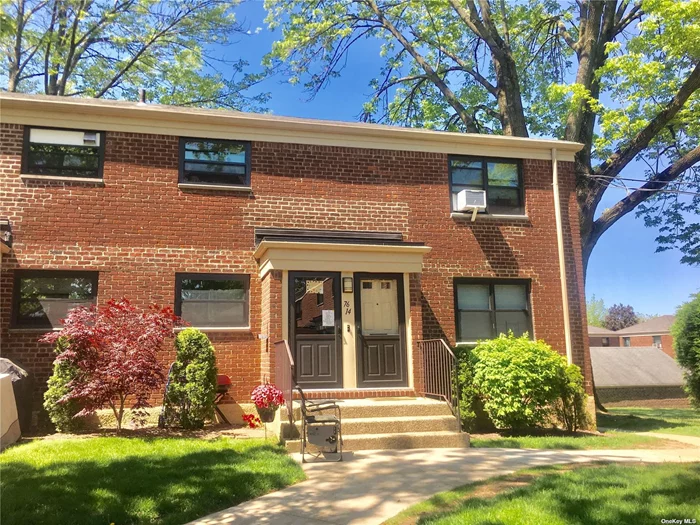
(62, 414)
(686, 342)
(517, 379)
(474, 417)
(570, 407)
(190, 399)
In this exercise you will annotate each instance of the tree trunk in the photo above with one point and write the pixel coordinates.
(510, 102)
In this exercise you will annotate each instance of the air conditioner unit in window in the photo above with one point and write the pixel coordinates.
(471, 200)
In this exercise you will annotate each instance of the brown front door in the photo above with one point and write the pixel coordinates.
(315, 329)
(380, 324)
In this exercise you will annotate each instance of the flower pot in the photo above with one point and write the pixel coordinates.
(267, 415)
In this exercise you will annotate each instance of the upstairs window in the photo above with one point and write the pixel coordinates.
(485, 309)
(500, 178)
(42, 298)
(213, 300)
(63, 153)
(219, 162)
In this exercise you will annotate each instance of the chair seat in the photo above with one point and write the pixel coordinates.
(322, 419)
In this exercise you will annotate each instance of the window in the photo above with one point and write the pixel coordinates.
(502, 180)
(485, 309)
(63, 153)
(204, 161)
(213, 300)
(626, 341)
(605, 341)
(43, 298)
(656, 341)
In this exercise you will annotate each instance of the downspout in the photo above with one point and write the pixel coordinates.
(562, 260)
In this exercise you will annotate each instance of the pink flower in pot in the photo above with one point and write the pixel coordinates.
(267, 399)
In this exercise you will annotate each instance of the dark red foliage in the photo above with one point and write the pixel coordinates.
(114, 347)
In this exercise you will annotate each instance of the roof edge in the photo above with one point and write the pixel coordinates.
(113, 115)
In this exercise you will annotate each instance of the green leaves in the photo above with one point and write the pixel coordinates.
(111, 49)
(518, 380)
(686, 343)
(192, 388)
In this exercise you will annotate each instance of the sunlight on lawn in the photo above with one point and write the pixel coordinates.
(136, 480)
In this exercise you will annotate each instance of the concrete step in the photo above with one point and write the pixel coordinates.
(384, 407)
(442, 439)
(380, 425)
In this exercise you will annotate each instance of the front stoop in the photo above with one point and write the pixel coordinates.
(382, 424)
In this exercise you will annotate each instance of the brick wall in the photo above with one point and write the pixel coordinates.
(597, 340)
(648, 340)
(140, 228)
(616, 395)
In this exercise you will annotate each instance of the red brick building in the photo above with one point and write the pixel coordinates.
(654, 332)
(351, 241)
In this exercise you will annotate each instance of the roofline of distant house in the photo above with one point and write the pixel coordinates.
(645, 332)
(134, 117)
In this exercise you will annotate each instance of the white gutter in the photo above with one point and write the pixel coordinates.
(562, 260)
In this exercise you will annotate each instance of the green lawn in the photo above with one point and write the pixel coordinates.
(611, 440)
(592, 495)
(684, 421)
(136, 480)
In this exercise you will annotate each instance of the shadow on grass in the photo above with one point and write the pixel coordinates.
(141, 489)
(595, 495)
(642, 423)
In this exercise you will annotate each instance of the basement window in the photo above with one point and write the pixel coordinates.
(486, 308)
(215, 162)
(42, 298)
(500, 178)
(213, 300)
(63, 153)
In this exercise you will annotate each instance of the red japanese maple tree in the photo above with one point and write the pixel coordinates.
(114, 349)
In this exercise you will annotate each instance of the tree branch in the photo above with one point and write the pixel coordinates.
(618, 160)
(650, 188)
(430, 72)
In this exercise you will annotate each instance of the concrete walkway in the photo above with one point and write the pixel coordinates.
(372, 486)
(688, 440)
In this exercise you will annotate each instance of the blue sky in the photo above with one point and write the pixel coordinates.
(624, 266)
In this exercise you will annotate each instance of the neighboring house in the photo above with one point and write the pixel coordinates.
(345, 239)
(598, 336)
(654, 332)
(636, 373)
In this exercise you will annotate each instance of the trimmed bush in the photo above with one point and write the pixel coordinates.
(570, 408)
(471, 408)
(62, 411)
(518, 380)
(686, 343)
(192, 389)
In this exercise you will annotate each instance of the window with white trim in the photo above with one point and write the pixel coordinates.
(63, 153)
(213, 300)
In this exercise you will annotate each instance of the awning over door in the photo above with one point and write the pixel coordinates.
(337, 251)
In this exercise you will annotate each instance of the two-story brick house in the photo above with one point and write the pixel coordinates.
(345, 239)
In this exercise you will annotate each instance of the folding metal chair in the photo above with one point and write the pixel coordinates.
(324, 431)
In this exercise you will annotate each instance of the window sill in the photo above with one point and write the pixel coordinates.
(215, 328)
(216, 187)
(20, 330)
(57, 178)
(466, 343)
(485, 216)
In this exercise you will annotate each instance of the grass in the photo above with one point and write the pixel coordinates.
(592, 495)
(580, 441)
(136, 480)
(683, 421)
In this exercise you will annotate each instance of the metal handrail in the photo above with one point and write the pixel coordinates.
(285, 375)
(440, 374)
